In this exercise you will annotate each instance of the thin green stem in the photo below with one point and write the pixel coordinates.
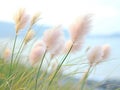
(20, 49)
(11, 62)
(36, 80)
(59, 66)
(83, 81)
(45, 73)
(22, 44)
(17, 60)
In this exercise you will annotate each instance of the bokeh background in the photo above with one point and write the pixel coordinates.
(105, 24)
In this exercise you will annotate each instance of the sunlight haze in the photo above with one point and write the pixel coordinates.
(63, 12)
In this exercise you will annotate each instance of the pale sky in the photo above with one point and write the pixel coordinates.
(106, 13)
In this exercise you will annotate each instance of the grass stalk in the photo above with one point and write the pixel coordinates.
(22, 44)
(11, 62)
(17, 59)
(36, 80)
(83, 80)
(59, 66)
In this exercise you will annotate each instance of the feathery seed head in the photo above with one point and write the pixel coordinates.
(21, 19)
(95, 55)
(106, 51)
(29, 36)
(7, 53)
(35, 18)
(79, 28)
(40, 43)
(36, 54)
(52, 37)
(59, 48)
(76, 46)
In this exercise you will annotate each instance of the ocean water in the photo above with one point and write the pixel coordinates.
(107, 70)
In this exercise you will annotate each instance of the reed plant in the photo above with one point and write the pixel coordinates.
(45, 65)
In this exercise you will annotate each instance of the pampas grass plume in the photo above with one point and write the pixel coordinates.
(76, 46)
(106, 51)
(79, 28)
(59, 48)
(29, 36)
(7, 53)
(52, 38)
(40, 43)
(34, 19)
(21, 19)
(95, 55)
(36, 53)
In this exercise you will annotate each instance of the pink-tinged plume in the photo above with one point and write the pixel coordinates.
(53, 39)
(79, 28)
(106, 51)
(95, 55)
(7, 53)
(59, 48)
(29, 36)
(21, 19)
(76, 46)
(37, 53)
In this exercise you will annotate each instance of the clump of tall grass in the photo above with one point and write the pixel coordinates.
(53, 49)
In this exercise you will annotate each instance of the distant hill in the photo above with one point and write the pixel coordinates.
(105, 36)
(8, 30)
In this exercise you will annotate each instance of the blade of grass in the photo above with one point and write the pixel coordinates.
(83, 80)
(11, 62)
(36, 80)
(59, 66)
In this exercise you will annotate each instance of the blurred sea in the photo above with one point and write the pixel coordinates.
(109, 69)
(106, 70)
